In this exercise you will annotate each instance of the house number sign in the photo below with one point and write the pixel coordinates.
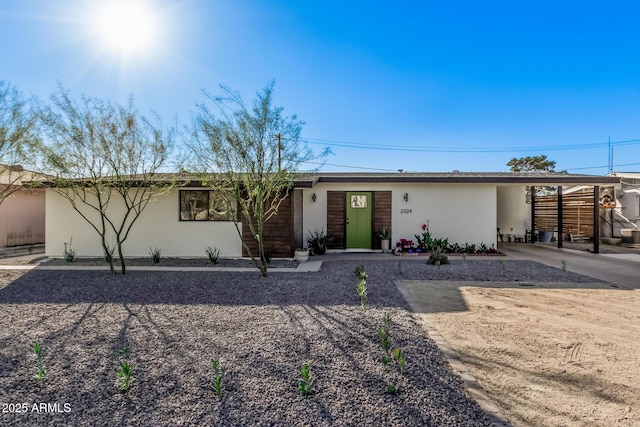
(405, 211)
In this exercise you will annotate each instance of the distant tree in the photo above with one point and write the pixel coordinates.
(105, 158)
(252, 153)
(532, 164)
(17, 131)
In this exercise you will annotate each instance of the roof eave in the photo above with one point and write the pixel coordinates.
(522, 180)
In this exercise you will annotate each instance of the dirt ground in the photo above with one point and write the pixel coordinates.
(548, 354)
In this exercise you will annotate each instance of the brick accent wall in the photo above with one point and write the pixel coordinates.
(336, 203)
(381, 213)
(278, 232)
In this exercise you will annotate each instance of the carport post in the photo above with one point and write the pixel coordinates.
(560, 235)
(533, 214)
(596, 219)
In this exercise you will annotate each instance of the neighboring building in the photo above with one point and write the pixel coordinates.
(620, 205)
(22, 212)
(463, 207)
(626, 214)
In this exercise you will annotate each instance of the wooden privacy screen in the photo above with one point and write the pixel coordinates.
(577, 213)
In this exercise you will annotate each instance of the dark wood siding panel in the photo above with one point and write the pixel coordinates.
(278, 232)
(336, 202)
(381, 213)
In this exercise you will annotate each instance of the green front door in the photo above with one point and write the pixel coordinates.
(359, 219)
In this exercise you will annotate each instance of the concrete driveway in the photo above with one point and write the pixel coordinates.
(621, 269)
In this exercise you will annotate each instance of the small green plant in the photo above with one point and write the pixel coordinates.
(124, 375)
(217, 376)
(531, 271)
(400, 360)
(30, 249)
(42, 369)
(503, 266)
(124, 370)
(437, 257)
(361, 287)
(155, 254)
(305, 385)
(213, 254)
(69, 254)
(564, 264)
(390, 355)
(383, 334)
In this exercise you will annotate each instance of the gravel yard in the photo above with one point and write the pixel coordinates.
(174, 323)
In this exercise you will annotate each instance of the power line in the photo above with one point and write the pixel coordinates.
(603, 166)
(352, 167)
(418, 148)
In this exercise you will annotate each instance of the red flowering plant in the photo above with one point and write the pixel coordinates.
(425, 241)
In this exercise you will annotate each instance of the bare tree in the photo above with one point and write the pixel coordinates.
(250, 154)
(17, 124)
(106, 159)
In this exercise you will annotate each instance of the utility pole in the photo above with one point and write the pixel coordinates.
(610, 156)
(279, 136)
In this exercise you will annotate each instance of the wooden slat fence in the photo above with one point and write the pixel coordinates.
(577, 215)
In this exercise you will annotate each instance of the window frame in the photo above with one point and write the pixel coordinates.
(208, 204)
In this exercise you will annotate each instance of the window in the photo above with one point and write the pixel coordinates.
(204, 205)
(358, 201)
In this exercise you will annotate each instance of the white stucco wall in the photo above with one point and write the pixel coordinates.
(463, 213)
(158, 227)
(514, 214)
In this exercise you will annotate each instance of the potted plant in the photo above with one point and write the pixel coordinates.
(301, 254)
(385, 238)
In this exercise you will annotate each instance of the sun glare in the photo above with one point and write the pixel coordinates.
(126, 26)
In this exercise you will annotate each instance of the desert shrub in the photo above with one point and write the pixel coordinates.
(213, 254)
(319, 241)
(437, 257)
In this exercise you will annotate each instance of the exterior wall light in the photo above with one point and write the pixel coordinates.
(405, 196)
(314, 197)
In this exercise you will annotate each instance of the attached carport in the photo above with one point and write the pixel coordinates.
(562, 212)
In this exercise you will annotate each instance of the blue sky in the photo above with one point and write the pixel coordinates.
(412, 85)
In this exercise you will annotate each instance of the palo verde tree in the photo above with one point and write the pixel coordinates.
(105, 158)
(250, 154)
(17, 132)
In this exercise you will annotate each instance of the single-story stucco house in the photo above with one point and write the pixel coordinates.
(461, 206)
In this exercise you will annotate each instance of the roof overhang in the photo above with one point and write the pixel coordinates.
(311, 180)
(463, 178)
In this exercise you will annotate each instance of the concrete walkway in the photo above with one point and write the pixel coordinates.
(621, 269)
(303, 267)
